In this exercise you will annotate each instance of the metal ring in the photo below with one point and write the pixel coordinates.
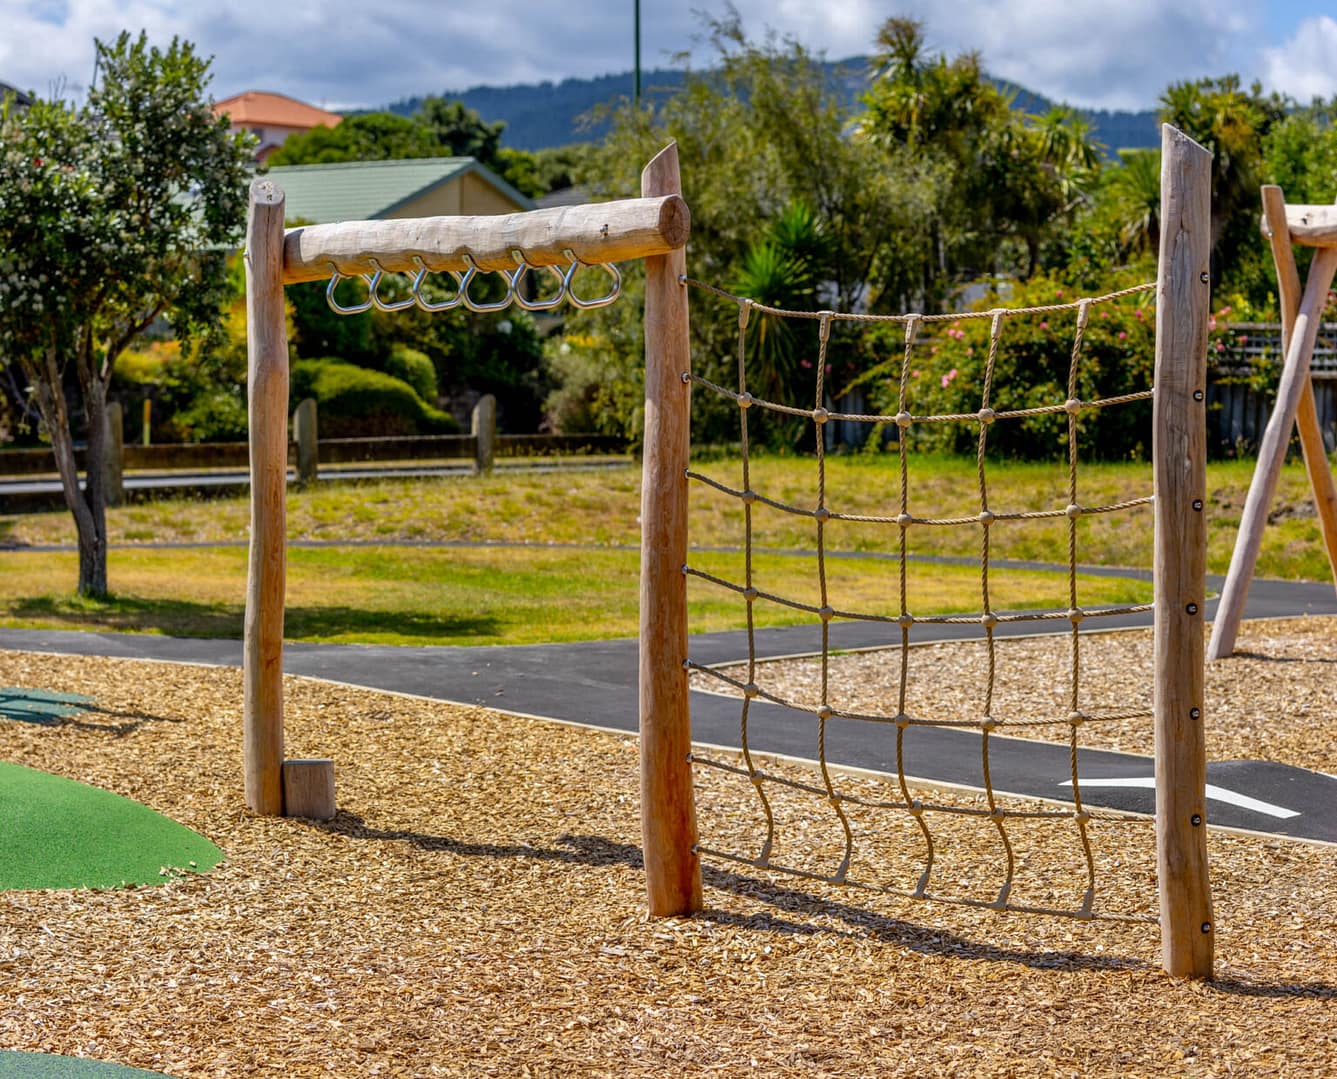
(602, 301)
(517, 275)
(428, 305)
(483, 308)
(373, 291)
(335, 306)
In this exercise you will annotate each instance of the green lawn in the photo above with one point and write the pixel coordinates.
(575, 575)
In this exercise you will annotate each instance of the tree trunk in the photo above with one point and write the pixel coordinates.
(88, 506)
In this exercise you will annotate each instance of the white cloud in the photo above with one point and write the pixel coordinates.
(1087, 52)
(1305, 66)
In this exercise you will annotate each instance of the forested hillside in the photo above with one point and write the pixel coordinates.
(541, 115)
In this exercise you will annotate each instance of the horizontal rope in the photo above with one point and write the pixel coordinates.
(824, 416)
(850, 316)
(861, 518)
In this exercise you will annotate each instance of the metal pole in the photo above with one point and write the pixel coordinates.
(636, 84)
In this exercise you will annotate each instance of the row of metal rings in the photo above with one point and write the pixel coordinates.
(513, 278)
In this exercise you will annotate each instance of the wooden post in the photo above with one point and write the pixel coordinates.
(267, 354)
(1180, 453)
(668, 812)
(114, 478)
(1294, 403)
(306, 433)
(308, 789)
(483, 426)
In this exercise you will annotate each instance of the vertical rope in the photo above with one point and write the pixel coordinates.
(987, 616)
(822, 514)
(750, 590)
(1073, 407)
(906, 620)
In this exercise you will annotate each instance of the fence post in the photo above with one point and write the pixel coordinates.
(483, 427)
(1179, 445)
(267, 391)
(305, 433)
(114, 478)
(668, 814)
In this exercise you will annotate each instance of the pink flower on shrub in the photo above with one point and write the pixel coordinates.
(1220, 347)
(947, 378)
(1044, 325)
(1122, 335)
(1243, 337)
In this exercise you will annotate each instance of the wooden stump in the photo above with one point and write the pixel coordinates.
(308, 789)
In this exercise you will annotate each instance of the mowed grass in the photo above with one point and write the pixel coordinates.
(571, 572)
(473, 596)
(602, 508)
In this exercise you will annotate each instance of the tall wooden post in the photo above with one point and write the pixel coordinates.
(668, 812)
(267, 391)
(306, 433)
(1180, 453)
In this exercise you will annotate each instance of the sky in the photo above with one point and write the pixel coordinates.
(1091, 53)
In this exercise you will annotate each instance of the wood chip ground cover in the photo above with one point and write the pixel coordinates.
(476, 909)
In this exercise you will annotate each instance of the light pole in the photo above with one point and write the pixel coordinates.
(636, 79)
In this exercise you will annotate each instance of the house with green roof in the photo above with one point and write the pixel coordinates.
(411, 187)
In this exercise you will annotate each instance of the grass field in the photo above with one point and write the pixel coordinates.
(552, 556)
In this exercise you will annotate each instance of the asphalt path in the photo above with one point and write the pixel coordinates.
(595, 683)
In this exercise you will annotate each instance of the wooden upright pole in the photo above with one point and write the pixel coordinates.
(668, 813)
(267, 390)
(1179, 450)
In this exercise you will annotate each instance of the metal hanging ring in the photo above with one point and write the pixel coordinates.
(373, 291)
(517, 275)
(335, 305)
(474, 305)
(601, 301)
(461, 284)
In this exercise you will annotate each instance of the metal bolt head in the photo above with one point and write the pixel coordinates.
(1206, 927)
(1197, 503)
(1196, 819)
(1192, 608)
(1195, 713)
(1198, 395)
(1204, 277)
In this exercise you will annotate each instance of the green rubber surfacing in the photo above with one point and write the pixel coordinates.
(15, 1065)
(59, 833)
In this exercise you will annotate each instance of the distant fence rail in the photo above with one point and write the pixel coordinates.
(1240, 393)
(309, 454)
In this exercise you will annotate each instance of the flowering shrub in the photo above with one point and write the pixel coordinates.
(1032, 367)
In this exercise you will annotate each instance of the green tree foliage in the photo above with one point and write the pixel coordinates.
(439, 128)
(112, 215)
(997, 184)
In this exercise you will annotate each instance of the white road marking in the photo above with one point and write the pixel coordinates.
(1219, 794)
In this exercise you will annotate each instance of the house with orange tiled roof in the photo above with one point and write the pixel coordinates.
(272, 117)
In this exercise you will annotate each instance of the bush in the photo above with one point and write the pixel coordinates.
(416, 368)
(355, 402)
(947, 375)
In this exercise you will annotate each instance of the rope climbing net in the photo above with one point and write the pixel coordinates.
(988, 718)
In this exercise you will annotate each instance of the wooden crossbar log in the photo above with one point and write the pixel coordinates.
(595, 233)
(1308, 226)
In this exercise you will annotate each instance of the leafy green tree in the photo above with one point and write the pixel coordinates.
(370, 136)
(113, 214)
(1232, 123)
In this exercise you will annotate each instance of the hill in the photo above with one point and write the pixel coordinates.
(541, 115)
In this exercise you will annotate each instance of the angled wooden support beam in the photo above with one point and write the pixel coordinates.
(1294, 404)
(1305, 226)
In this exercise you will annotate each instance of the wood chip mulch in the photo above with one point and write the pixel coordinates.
(476, 909)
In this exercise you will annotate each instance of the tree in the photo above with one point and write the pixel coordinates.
(113, 214)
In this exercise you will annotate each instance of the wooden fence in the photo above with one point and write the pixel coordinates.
(308, 453)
